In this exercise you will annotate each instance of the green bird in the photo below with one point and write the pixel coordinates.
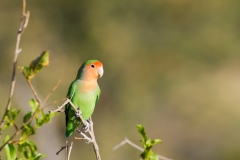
(84, 93)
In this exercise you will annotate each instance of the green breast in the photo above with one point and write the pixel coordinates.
(85, 100)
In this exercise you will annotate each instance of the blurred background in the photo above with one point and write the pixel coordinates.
(170, 65)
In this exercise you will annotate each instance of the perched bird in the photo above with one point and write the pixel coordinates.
(84, 92)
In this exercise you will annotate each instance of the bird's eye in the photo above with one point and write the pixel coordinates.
(93, 66)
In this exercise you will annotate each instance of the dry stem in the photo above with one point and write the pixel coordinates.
(34, 92)
(51, 92)
(69, 151)
(66, 151)
(23, 25)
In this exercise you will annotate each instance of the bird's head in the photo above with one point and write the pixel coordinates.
(90, 70)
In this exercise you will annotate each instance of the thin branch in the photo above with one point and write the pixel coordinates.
(126, 140)
(15, 126)
(34, 92)
(95, 145)
(54, 102)
(69, 151)
(60, 150)
(51, 92)
(66, 151)
(130, 143)
(23, 25)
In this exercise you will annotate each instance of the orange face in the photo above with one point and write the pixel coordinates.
(93, 70)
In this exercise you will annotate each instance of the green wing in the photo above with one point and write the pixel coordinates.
(98, 95)
(70, 95)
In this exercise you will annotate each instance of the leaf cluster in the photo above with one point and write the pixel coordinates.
(147, 154)
(35, 66)
(23, 148)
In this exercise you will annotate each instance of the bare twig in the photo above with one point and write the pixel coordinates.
(126, 140)
(130, 143)
(66, 151)
(95, 145)
(69, 151)
(23, 25)
(51, 92)
(34, 92)
(60, 150)
(54, 102)
(15, 126)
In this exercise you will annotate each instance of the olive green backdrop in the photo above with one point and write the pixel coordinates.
(171, 65)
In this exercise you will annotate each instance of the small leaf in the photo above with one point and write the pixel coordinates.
(44, 119)
(25, 70)
(27, 116)
(150, 142)
(153, 157)
(38, 156)
(37, 64)
(156, 141)
(143, 133)
(10, 150)
(29, 149)
(28, 130)
(33, 104)
(10, 117)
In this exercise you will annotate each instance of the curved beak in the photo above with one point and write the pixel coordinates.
(100, 72)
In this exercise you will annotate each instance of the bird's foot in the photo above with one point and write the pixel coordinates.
(86, 128)
(78, 112)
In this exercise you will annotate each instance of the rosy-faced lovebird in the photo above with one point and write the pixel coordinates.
(84, 92)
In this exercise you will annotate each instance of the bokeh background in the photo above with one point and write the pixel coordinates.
(170, 65)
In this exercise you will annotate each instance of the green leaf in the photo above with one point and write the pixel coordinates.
(10, 150)
(27, 116)
(37, 64)
(143, 133)
(147, 154)
(25, 70)
(150, 143)
(28, 130)
(29, 149)
(44, 119)
(33, 104)
(38, 156)
(10, 117)
(153, 157)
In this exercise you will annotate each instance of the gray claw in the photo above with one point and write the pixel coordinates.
(78, 113)
(86, 128)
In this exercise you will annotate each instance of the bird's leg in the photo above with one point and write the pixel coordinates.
(86, 127)
(78, 112)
